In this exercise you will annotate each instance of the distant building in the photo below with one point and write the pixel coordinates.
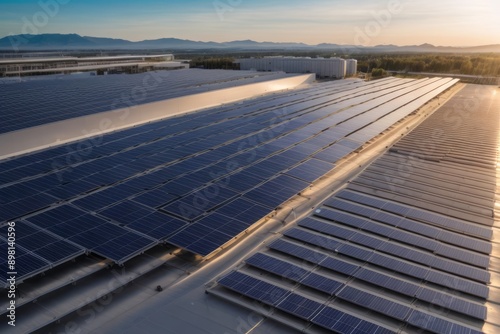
(351, 67)
(101, 65)
(323, 67)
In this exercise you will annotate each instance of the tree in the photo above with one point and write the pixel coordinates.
(378, 73)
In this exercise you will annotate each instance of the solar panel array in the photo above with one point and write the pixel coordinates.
(198, 181)
(34, 102)
(330, 253)
(382, 260)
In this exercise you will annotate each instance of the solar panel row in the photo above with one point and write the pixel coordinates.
(396, 310)
(435, 219)
(297, 305)
(432, 296)
(392, 263)
(427, 259)
(294, 273)
(428, 243)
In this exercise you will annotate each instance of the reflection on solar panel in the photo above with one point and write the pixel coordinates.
(102, 93)
(199, 181)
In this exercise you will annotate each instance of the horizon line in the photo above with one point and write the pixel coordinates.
(251, 40)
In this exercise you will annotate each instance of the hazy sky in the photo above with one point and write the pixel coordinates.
(445, 22)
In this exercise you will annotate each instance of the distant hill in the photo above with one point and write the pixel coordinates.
(77, 42)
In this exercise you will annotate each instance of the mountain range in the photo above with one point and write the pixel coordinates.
(77, 42)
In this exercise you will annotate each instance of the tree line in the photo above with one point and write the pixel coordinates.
(484, 64)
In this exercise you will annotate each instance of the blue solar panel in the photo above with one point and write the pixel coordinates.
(294, 273)
(157, 225)
(350, 207)
(272, 193)
(388, 282)
(50, 248)
(322, 283)
(313, 239)
(300, 306)
(244, 210)
(93, 233)
(375, 303)
(126, 212)
(206, 199)
(315, 257)
(341, 322)
(254, 288)
(310, 170)
(155, 198)
(435, 324)
(206, 235)
(341, 217)
(27, 264)
(452, 303)
(361, 198)
(298, 251)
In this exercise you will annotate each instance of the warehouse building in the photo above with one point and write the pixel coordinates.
(323, 67)
(99, 65)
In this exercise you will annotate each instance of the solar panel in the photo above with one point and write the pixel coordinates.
(27, 264)
(310, 170)
(206, 235)
(340, 322)
(375, 303)
(254, 288)
(294, 273)
(315, 257)
(93, 233)
(341, 217)
(453, 303)
(49, 247)
(437, 325)
(299, 306)
(272, 193)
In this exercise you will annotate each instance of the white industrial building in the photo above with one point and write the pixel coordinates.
(351, 67)
(323, 67)
(101, 64)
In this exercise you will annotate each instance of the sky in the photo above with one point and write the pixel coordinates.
(360, 22)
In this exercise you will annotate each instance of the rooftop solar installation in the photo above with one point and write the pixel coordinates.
(199, 181)
(63, 97)
(425, 266)
(397, 242)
